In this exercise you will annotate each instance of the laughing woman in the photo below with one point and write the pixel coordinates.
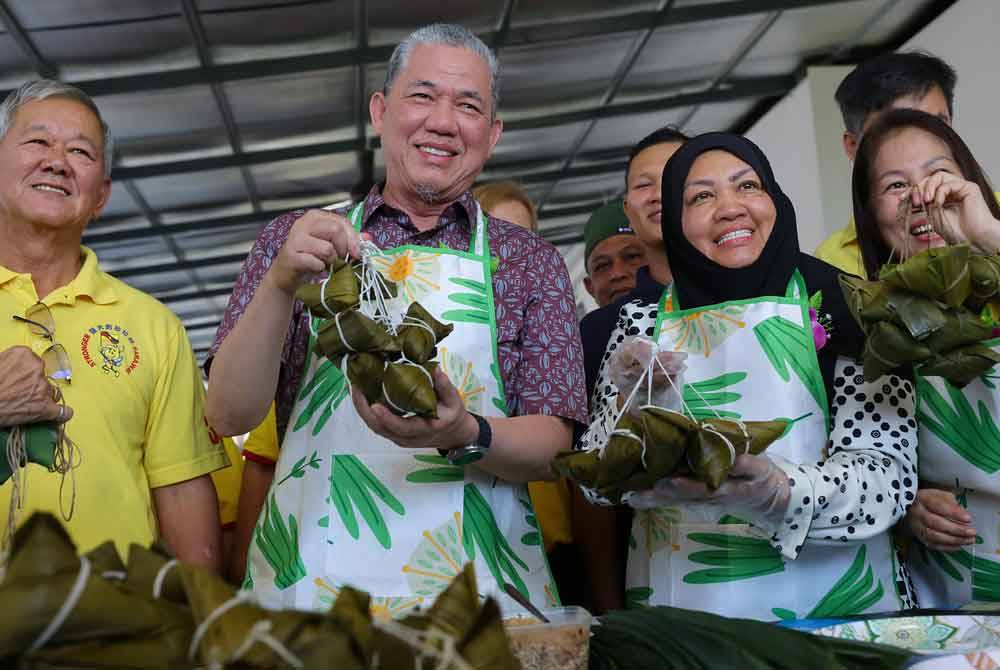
(803, 529)
(915, 156)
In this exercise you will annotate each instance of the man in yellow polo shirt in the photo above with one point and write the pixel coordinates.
(914, 80)
(133, 396)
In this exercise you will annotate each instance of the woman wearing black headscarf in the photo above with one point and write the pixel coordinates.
(801, 530)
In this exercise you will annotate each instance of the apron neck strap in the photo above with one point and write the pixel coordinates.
(795, 290)
(477, 239)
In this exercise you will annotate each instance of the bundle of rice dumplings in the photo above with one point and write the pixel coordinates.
(663, 443)
(58, 610)
(923, 312)
(389, 363)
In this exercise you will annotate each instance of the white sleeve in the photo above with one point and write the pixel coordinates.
(868, 477)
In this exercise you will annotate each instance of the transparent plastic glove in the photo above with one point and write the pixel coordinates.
(628, 366)
(757, 490)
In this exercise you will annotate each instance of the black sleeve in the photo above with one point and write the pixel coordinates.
(595, 330)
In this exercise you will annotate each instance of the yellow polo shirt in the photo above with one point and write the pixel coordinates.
(228, 481)
(137, 398)
(262, 443)
(841, 250)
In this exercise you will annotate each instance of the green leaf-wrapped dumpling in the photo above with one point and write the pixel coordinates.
(341, 292)
(407, 387)
(420, 333)
(350, 332)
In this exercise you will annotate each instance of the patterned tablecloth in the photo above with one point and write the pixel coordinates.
(945, 640)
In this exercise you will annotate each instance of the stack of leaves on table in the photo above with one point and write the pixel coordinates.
(394, 368)
(58, 610)
(924, 312)
(667, 638)
(662, 442)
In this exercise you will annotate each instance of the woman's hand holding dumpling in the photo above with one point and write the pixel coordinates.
(757, 490)
(629, 365)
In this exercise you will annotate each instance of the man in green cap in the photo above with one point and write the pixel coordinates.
(612, 254)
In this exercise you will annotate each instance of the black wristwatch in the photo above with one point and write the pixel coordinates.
(470, 454)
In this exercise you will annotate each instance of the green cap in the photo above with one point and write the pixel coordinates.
(605, 222)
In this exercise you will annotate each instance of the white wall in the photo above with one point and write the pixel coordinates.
(966, 38)
(802, 133)
(787, 137)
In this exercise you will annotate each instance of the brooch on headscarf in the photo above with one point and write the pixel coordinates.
(821, 324)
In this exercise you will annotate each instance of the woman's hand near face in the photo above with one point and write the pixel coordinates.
(965, 214)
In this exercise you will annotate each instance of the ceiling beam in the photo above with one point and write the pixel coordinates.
(26, 45)
(204, 51)
(499, 36)
(539, 34)
(189, 264)
(735, 89)
(734, 61)
(260, 218)
(624, 68)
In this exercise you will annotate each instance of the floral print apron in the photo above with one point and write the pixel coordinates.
(959, 450)
(752, 360)
(348, 507)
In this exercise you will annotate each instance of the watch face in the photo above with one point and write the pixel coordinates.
(466, 455)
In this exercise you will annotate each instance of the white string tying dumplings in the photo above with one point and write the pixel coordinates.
(66, 458)
(425, 643)
(647, 377)
(257, 633)
(432, 645)
(67, 607)
(161, 576)
(385, 394)
(374, 288)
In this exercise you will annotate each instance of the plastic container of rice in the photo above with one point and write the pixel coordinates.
(562, 644)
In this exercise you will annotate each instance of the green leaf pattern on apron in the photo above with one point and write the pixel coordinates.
(279, 543)
(984, 572)
(703, 399)
(476, 302)
(480, 529)
(298, 470)
(735, 558)
(974, 437)
(852, 594)
(788, 345)
(534, 538)
(328, 388)
(352, 485)
(442, 471)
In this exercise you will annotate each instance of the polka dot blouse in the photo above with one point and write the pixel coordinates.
(868, 476)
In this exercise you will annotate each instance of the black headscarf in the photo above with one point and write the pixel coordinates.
(700, 282)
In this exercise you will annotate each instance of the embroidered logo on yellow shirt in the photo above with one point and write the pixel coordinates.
(111, 348)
